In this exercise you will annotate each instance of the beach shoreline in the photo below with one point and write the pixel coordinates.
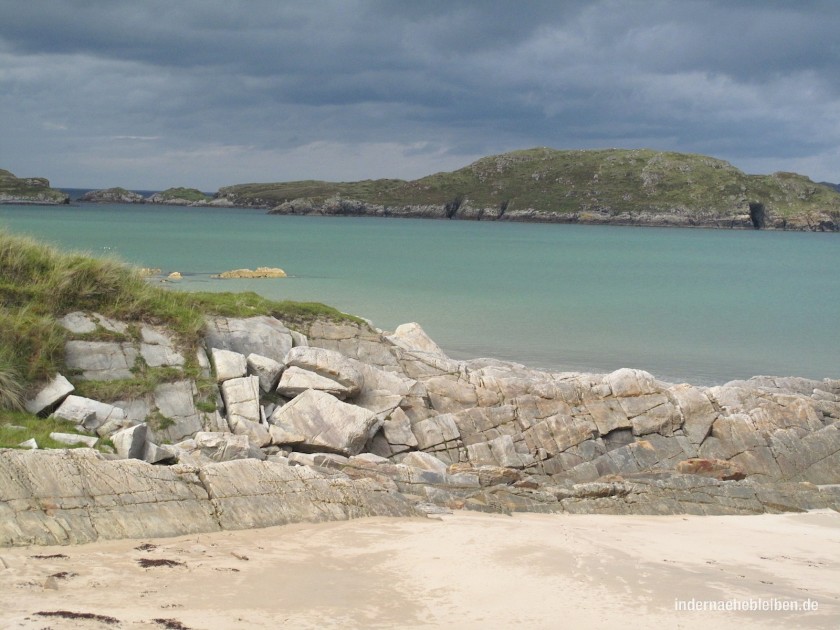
(464, 569)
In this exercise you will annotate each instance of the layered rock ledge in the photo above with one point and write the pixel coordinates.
(337, 420)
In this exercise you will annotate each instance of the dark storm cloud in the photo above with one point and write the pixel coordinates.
(215, 92)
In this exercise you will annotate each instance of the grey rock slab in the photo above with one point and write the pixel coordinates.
(50, 396)
(248, 494)
(101, 360)
(228, 364)
(92, 414)
(77, 323)
(161, 356)
(221, 447)
(242, 399)
(153, 453)
(131, 442)
(326, 423)
(111, 325)
(630, 382)
(261, 335)
(329, 364)
(697, 411)
(176, 402)
(265, 369)
(73, 439)
(296, 380)
(436, 432)
(30, 444)
(397, 430)
(424, 461)
(51, 497)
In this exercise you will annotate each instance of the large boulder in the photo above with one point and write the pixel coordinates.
(131, 442)
(101, 360)
(326, 423)
(242, 399)
(261, 335)
(329, 364)
(296, 380)
(92, 414)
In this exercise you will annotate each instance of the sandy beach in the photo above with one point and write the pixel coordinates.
(463, 570)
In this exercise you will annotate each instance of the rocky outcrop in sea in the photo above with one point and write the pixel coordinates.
(464, 209)
(339, 420)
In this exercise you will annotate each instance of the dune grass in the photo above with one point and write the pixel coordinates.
(39, 283)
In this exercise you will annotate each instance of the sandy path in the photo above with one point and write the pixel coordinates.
(466, 571)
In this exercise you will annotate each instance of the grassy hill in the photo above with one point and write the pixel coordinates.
(610, 185)
(29, 190)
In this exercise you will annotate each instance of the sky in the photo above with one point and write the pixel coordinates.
(151, 94)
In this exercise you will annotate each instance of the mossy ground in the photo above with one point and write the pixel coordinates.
(39, 284)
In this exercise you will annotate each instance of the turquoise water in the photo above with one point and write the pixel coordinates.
(703, 306)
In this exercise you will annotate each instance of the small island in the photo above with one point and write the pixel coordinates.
(29, 190)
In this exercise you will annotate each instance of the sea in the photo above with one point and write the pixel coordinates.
(688, 305)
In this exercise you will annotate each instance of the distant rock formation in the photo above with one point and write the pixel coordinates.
(608, 186)
(259, 272)
(112, 195)
(180, 197)
(29, 190)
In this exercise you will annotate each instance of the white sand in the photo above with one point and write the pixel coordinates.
(464, 571)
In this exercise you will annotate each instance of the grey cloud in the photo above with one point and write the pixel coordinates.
(442, 79)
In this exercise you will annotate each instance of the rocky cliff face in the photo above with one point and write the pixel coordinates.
(341, 420)
(30, 190)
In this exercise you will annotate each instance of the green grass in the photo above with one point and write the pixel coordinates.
(34, 427)
(606, 182)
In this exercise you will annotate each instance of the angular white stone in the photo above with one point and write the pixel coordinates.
(242, 399)
(131, 442)
(267, 370)
(228, 364)
(92, 414)
(56, 391)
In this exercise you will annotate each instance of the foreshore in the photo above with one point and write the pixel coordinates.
(465, 569)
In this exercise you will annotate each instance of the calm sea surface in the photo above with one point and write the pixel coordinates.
(702, 306)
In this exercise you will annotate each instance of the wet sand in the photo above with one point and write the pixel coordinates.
(464, 570)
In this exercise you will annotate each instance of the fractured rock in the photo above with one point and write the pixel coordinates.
(50, 396)
(92, 414)
(328, 364)
(101, 360)
(296, 380)
(325, 423)
(267, 370)
(261, 335)
(228, 364)
(131, 442)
